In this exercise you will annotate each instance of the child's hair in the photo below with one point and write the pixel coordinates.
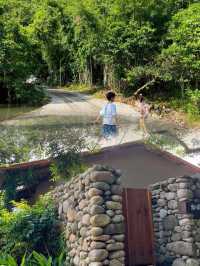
(141, 98)
(110, 95)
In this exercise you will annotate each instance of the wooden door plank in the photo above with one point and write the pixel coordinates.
(139, 227)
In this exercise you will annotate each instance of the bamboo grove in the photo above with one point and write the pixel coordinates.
(120, 44)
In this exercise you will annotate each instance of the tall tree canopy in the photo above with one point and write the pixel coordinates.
(123, 44)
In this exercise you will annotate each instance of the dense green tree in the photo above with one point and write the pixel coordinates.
(182, 57)
(123, 44)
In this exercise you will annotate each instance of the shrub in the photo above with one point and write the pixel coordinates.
(30, 94)
(33, 260)
(29, 228)
(66, 166)
(193, 103)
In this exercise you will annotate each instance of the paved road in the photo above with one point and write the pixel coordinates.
(77, 107)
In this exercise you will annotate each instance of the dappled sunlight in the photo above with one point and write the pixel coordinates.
(32, 139)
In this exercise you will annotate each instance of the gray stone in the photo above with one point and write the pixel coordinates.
(95, 264)
(74, 227)
(176, 237)
(183, 185)
(103, 238)
(186, 234)
(116, 190)
(86, 219)
(60, 209)
(76, 261)
(170, 222)
(117, 254)
(185, 222)
(181, 248)
(102, 176)
(100, 220)
(112, 205)
(110, 241)
(96, 231)
(172, 204)
(71, 215)
(97, 245)
(179, 262)
(192, 262)
(68, 204)
(182, 180)
(119, 238)
(170, 195)
(107, 193)
(162, 202)
(96, 200)
(115, 246)
(95, 209)
(163, 213)
(115, 263)
(172, 187)
(83, 255)
(98, 255)
(118, 212)
(94, 192)
(83, 231)
(178, 229)
(83, 204)
(117, 198)
(118, 218)
(122, 260)
(113, 229)
(101, 186)
(110, 213)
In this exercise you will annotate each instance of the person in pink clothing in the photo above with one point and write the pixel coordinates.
(143, 108)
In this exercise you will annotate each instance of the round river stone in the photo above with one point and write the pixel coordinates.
(100, 220)
(97, 255)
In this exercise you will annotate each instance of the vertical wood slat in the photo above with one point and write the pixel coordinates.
(139, 227)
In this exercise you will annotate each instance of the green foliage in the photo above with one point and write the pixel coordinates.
(18, 57)
(29, 228)
(66, 166)
(63, 147)
(181, 58)
(35, 259)
(15, 180)
(192, 106)
(122, 44)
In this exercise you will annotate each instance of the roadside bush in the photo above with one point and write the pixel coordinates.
(192, 106)
(66, 166)
(31, 228)
(33, 260)
(30, 94)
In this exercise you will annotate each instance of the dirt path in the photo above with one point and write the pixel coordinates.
(76, 107)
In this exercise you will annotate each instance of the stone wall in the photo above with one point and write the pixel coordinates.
(177, 233)
(90, 209)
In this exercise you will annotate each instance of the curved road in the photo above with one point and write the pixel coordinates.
(77, 106)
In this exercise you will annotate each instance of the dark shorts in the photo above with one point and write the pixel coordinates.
(109, 130)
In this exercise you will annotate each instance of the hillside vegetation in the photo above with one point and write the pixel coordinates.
(120, 44)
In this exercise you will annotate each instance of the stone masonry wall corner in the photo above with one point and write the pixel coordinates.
(90, 209)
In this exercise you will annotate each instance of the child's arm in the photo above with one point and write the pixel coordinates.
(99, 116)
(97, 119)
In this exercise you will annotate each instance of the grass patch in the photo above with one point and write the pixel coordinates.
(81, 88)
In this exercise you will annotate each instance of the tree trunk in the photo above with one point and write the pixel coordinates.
(145, 86)
(60, 74)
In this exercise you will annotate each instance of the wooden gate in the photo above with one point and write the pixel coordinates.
(139, 227)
